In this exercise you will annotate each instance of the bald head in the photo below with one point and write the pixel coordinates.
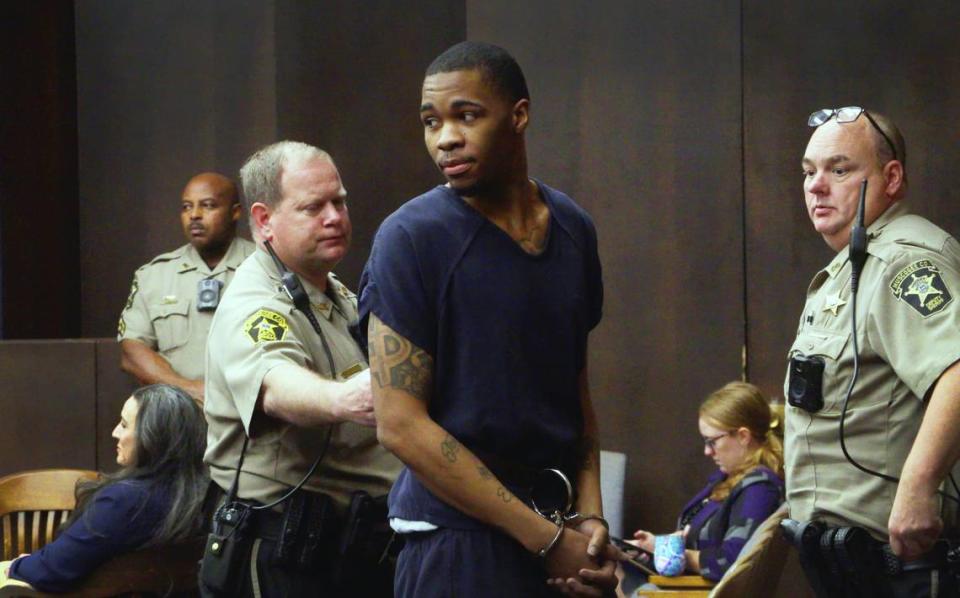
(213, 184)
(209, 211)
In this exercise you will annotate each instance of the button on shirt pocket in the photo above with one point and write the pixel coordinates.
(171, 322)
(828, 345)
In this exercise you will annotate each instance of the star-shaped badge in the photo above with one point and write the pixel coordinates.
(834, 303)
(922, 287)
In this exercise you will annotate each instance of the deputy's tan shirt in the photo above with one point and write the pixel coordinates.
(255, 329)
(908, 330)
(161, 309)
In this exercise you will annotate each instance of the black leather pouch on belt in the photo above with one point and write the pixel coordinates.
(307, 534)
(227, 550)
(857, 555)
(366, 538)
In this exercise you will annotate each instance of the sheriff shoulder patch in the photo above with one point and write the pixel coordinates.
(121, 327)
(345, 292)
(920, 286)
(265, 326)
(133, 293)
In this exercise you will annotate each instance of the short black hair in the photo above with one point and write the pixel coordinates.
(496, 65)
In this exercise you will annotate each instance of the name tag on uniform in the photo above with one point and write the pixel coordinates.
(353, 370)
(168, 299)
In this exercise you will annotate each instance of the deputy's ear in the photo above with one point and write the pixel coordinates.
(260, 216)
(893, 174)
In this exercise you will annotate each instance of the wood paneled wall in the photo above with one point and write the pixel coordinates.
(60, 402)
(165, 90)
(39, 265)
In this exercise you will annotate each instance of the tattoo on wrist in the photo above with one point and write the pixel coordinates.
(505, 495)
(449, 448)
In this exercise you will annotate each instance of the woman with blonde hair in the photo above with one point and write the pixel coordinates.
(739, 433)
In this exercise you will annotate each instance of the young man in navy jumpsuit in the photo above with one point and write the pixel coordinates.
(478, 299)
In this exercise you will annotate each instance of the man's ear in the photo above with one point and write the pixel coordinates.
(235, 211)
(521, 115)
(260, 217)
(895, 179)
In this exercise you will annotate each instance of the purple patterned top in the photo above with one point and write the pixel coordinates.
(720, 529)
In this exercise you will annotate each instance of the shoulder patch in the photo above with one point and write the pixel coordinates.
(133, 293)
(121, 327)
(345, 292)
(265, 326)
(920, 286)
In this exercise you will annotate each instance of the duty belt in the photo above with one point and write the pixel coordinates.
(847, 561)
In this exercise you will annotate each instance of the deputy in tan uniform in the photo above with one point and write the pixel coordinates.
(270, 377)
(904, 415)
(163, 327)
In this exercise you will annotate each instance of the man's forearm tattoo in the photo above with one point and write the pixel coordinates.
(398, 363)
(449, 448)
(484, 472)
(587, 451)
(505, 495)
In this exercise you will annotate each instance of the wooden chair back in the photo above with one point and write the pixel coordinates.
(159, 570)
(33, 504)
(761, 562)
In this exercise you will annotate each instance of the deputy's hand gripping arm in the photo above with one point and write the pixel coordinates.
(304, 398)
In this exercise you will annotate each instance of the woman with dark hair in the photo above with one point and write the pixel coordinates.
(156, 497)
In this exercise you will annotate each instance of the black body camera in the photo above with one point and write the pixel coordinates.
(208, 294)
(806, 383)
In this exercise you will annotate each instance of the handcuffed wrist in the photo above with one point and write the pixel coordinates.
(581, 517)
(542, 553)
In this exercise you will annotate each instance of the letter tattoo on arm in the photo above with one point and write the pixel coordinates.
(398, 363)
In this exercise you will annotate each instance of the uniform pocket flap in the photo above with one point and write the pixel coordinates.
(828, 344)
(180, 307)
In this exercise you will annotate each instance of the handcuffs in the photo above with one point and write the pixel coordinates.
(552, 498)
